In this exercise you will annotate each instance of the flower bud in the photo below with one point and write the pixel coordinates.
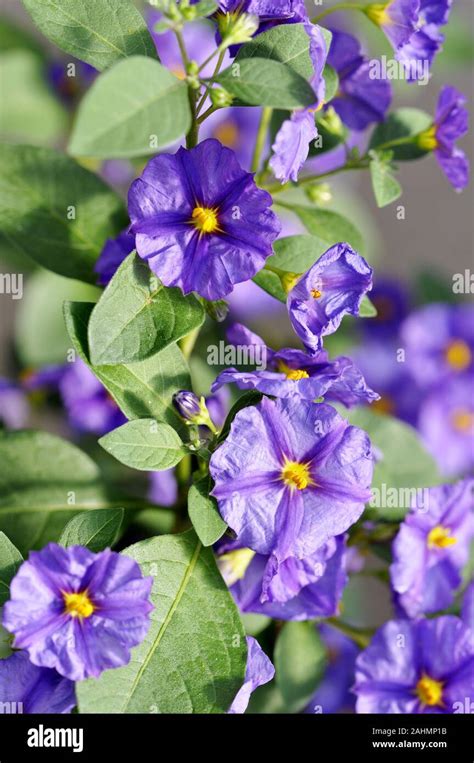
(220, 98)
(193, 409)
(237, 28)
(318, 193)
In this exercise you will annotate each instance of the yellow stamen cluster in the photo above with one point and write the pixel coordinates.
(78, 604)
(463, 420)
(316, 293)
(440, 537)
(233, 565)
(458, 355)
(427, 140)
(205, 219)
(430, 691)
(227, 133)
(378, 13)
(295, 374)
(296, 475)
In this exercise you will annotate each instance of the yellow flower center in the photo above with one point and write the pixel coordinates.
(295, 374)
(458, 355)
(227, 133)
(316, 293)
(233, 565)
(440, 537)
(296, 475)
(378, 13)
(463, 420)
(427, 140)
(78, 604)
(385, 405)
(205, 219)
(430, 691)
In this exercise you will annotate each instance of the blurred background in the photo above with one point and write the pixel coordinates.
(418, 254)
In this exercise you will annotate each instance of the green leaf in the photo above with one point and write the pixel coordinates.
(204, 513)
(137, 316)
(263, 82)
(327, 225)
(386, 188)
(133, 109)
(10, 560)
(367, 309)
(295, 254)
(41, 337)
(55, 211)
(331, 79)
(141, 390)
(402, 123)
(300, 659)
(403, 467)
(44, 482)
(97, 32)
(33, 115)
(193, 658)
(144, 444)
(94, 529)
(288, 44)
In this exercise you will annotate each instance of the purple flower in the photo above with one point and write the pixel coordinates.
(451, 123)
(291, 145)
(70, 79)
(467, 612)
(432, 548)
(76, 611)
(290, 476)
(27, 688)
(163, 488)
(114, 252)
(296, 589)
(200, 220)
(235, 128)
(89, 406)
(397, 18)
(199, 40)
(400, 396)
(421, 666)
(333, 694)
(293, 372)
(259, 671)
(427, 40)
(14, 408)
(439, 342)
(446, 424)
(391, 300)
(333, 287)
(361, 99)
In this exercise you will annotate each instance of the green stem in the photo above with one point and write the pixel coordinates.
(338, 7)
(261, 137)
(219, 63)
(187, 342)
(360, 636)
(207, 114)
(193, 135)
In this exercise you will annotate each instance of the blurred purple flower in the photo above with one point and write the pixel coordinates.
(333, 287)
(14, 408)
(70, 79)
(467, 612)
(451, 123)
(259, 671)
(78, 612)
(163, 488)
(432, 547)
(420, 666)
(31, 689)
(439, 342)
(200, 220)
(391, 299)
(446, 424)
(334, 693)
(361, 99)
(114, 252)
